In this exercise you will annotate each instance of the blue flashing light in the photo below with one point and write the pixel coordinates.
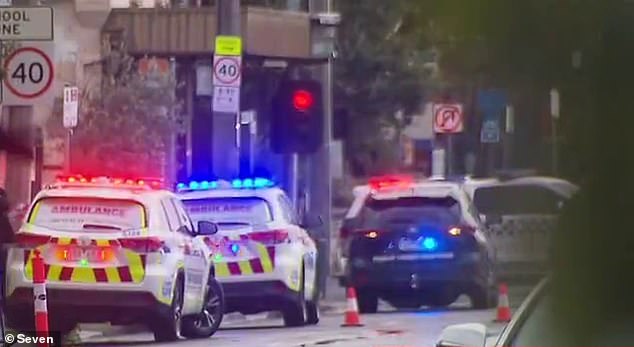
(235, 248)
(262, 183)
(247, 183)
(429, 243)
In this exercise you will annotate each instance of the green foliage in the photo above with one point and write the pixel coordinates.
(379, 70)
(126, 129)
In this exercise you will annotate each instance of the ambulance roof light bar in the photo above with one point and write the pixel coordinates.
(106, 182)
(238, 183)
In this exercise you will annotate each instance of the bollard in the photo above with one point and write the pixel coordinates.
(39, 297)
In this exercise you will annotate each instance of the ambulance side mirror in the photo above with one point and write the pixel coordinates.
(207, 228)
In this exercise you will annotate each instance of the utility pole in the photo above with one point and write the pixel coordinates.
(320, 173)
(225, 155)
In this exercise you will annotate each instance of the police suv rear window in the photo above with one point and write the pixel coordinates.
(87, 214)
(445, 211)
(230, 211)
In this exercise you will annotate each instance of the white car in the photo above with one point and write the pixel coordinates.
(537, 322)
(265, 258)
(118, 251)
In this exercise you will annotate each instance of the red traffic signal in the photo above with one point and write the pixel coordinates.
(297, 117)
(302, 100)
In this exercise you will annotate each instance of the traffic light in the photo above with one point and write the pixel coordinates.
(297, 118)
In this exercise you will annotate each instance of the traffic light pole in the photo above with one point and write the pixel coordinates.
(321, 181)
(225, 157)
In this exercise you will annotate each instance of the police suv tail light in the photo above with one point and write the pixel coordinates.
(461, 230)
(271, 237)
(371, 234)
(141, 245)
(26, 240)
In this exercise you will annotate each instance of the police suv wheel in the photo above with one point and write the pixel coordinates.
(167, 327)
(485, 296)
(367, 300)
(208, 321)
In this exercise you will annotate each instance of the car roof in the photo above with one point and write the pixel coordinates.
(262, 193)
(144, 196)
(559, 186)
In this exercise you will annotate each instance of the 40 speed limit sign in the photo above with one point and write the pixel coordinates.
(29, 74)
(227, 71)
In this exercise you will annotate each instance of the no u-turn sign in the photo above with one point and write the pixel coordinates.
(448, 118)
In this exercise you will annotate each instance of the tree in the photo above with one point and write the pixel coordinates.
(379, 71)
(126, 129)
(525, 48)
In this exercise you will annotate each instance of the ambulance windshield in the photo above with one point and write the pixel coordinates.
(87, 214)
(229, 212)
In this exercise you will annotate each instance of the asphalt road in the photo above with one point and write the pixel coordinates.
(386, 328)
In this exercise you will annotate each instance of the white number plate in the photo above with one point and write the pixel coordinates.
(408, 245)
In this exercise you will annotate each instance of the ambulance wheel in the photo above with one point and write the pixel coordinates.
(295, 314)
(208, 321)
(167, 326)
(312, 308)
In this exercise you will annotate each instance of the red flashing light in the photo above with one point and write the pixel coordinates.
(154, 183)
(302, 100)
(390, 182)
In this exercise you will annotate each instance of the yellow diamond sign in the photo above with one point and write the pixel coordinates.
(228, 45)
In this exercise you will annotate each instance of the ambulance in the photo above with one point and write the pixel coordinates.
(265, 257)
(122, 251)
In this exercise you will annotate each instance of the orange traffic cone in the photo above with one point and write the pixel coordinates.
(352, 318)
(504, 309)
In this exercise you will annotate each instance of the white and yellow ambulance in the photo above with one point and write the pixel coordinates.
(115, 250)
(264, 256)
